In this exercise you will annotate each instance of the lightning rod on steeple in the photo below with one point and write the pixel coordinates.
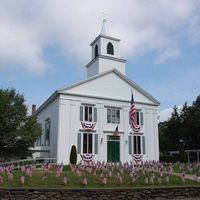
(104, 29)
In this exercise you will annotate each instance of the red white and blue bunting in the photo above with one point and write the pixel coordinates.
(87, 157)
(88, 126)
(137, 158)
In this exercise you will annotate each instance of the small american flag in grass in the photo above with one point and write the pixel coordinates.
(116, 132)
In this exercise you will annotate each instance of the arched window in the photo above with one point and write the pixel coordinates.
(110, 49)
(96, 53)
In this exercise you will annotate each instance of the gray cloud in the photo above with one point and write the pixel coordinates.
(29, 27)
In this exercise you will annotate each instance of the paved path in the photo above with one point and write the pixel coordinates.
(187, 176)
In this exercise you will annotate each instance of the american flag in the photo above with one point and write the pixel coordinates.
(116, 132)
(133, 116)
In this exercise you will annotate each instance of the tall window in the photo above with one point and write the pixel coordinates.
(139, 117)
(137, 144)
(47, 132)
(110, 49)
(96, 53)
(113, 115)
(39, 141)
(87, 143)
(88, 113)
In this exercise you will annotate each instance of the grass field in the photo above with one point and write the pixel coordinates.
(94, 181)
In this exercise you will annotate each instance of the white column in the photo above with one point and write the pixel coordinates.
(156, 136)
(102, 151)
(124, 146)
(63, 144)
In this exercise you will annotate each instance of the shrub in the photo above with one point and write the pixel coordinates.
(168, 158)
(73, 155)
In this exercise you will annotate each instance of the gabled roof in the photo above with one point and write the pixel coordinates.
(134, 85)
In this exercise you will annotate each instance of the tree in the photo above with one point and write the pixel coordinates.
(164, 141)
(18, 131)
(73, 155)
(182, 130)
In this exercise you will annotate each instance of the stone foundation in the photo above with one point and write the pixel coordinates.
(77, 194)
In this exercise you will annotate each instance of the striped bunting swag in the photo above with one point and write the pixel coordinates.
(87, 157)
(88, 126)
(137, 158)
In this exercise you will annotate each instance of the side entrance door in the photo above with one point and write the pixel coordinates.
(113, 148)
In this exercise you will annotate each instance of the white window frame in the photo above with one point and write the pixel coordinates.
(87, 144)
(112, 113)
(80, 143)
(140, 116)
(137, 144)
(142, 144)
(90, 118)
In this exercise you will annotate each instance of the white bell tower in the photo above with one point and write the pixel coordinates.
(105, 54)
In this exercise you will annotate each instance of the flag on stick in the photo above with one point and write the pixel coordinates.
(116, 132)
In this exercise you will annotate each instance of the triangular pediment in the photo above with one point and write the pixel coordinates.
(111, 84)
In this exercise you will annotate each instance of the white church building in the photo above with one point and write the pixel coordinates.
(87, 114)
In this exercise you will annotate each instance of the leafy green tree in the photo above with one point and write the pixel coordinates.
(182, 130)
(195, 115)
(164, 141)
(18, 131)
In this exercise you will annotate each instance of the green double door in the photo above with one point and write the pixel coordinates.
(113, 149)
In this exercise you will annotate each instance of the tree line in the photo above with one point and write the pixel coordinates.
(182, 130)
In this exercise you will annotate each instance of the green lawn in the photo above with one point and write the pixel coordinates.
(195, 169)
(93, 181)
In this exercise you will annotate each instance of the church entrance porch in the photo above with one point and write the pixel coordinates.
(113, 148)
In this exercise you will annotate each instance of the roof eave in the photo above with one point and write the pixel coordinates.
(105, 36)
(49, 100)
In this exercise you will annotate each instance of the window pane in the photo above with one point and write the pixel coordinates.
(81, 113)
(143, 145)
(86, 113)
(141, 118)
(85, 143)
(90, 114)
(139, 144)
(90, 143)
(118, 116)
(96, 144)
(95, 114)
(47, 133)
(130, 144)
(137, 118)
(113, 115)
(135, 144)
(108, 115)
(79, 143)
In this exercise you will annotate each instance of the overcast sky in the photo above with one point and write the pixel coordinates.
(44, 45)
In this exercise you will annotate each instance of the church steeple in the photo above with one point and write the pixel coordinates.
(105, 54)
(104, 29)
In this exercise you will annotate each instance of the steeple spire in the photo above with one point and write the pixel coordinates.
(104, 29)
(105, 54)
